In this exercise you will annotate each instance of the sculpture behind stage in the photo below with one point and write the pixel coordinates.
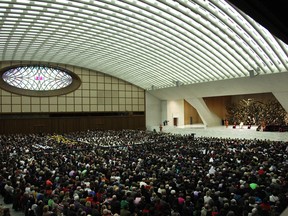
(254, 112)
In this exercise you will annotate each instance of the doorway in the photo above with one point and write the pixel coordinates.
(175, 121)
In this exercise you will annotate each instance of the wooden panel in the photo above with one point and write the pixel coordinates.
(190, 113)
(217, 105)
(51, 125)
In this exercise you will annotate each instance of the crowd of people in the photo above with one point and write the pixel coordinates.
(125, 173)
(252, 112)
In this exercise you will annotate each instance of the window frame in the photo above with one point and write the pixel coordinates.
(76, 83)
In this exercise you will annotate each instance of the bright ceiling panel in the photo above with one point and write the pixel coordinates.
(152, 44)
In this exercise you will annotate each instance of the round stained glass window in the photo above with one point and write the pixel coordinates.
(39, 80)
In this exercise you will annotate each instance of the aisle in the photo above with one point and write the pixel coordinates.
(12, 211)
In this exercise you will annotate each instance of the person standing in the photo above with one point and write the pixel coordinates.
(226, 123)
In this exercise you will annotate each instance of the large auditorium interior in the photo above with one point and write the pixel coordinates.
(143, 108)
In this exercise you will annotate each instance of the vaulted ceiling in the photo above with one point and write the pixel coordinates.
(153, 44)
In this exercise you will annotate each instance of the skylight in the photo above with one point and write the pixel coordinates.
(37, 78)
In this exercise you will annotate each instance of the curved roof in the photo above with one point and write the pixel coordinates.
(150, 43)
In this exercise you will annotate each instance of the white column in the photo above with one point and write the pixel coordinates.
(153, 111)
(208, 118)
(164, 111)
(282, 97)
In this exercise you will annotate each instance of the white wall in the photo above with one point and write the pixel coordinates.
(163, 110)
(175, 109)
(159, 110)
(153, 111)
(261, 84)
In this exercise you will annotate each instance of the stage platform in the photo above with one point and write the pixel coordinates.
(201, 130)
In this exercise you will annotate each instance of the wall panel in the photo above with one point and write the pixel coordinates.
(95, 86)
(101, 102)
(69, 124)
(191, 114)
(218, 105)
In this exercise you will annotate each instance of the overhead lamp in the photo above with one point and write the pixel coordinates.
(254, 73)
(177, 83)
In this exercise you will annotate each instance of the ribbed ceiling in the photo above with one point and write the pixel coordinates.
(149, 43)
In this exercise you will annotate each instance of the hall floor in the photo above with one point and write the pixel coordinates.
(201, 130)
